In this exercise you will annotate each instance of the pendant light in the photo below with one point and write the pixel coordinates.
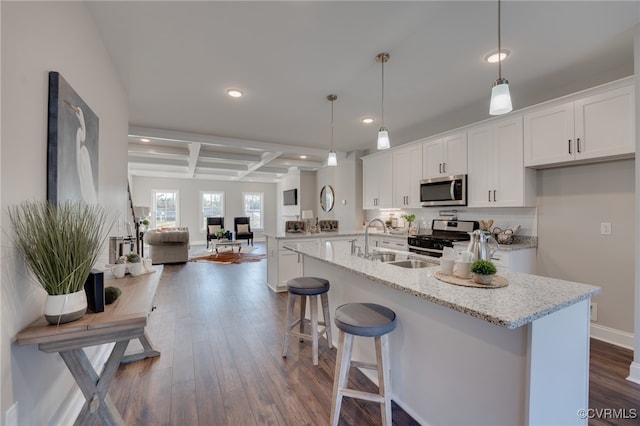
(383, 133)
(500, 96)
(332, 160)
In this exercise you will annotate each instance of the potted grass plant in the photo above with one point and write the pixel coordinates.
(60, 244)
(484, 271)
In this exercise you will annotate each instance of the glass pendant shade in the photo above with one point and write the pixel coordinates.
(332, 160)
(500, 98)
(383, 139)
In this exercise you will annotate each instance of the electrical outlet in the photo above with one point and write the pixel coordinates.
(605, 228)
(11, 415)
(594, 312)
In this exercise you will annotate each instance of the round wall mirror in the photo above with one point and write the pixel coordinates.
(327, 198)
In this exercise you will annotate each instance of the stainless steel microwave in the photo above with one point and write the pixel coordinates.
(444, 191)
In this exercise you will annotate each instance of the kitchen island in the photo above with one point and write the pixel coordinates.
(517, 355)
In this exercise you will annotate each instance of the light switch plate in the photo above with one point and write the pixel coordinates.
(605, 228)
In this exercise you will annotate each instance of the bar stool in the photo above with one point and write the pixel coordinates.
(368, 320)
(311, 287)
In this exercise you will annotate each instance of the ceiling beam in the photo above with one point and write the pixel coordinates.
(187, 137)
(266, 159)
(194, 151)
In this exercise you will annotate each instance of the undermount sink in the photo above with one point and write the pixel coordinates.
(382, 256)
(412, 263)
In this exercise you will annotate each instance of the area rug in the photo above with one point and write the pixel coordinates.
(229, 257)
(206, 252)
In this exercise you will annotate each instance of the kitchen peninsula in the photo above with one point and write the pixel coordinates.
(470, 356)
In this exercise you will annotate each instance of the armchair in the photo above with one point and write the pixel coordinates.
(213, 224)
(242, 227)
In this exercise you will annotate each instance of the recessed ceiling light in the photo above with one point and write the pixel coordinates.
(303, 156)
(144, 140)
(492, 58)
(367, 120)
(234, 93)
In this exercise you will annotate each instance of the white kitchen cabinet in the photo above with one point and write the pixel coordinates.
(446, 156)
(377, 181)
(595, 127)
(283, 264)
(497, 177)
(407, 173)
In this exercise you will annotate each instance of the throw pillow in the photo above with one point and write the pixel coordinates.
(213, 229)
(243, 229)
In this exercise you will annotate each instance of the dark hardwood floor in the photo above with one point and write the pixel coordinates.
(219, 329)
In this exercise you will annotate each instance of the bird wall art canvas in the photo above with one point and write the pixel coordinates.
(72, 149)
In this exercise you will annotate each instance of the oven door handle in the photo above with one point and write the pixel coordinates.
(451, 189)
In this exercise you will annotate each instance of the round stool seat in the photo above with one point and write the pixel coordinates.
(307, 286)
(365, 319)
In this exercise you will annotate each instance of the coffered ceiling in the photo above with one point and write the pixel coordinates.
(177, 59)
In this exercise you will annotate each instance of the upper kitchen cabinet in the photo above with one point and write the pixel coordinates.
(497, 177)
(407, 173)
(377, 181)
(600, 126)
(446, 156)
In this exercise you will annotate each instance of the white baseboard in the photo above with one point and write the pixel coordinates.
(612, 335)
(634, 373)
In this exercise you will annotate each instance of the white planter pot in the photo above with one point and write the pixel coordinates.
(63, 308)
(484, 279)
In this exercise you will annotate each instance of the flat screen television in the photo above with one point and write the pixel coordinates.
(290, 197)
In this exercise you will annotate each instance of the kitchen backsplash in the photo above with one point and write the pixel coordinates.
(526, 217)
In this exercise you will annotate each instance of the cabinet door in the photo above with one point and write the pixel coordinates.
(432, 154)
(549, 136)
(385, 181)
(289, 267)
(370, 185)
(507, 164)
(454, 161)
(376, 182)
(481, 166)
(407, 173)
(605, 124)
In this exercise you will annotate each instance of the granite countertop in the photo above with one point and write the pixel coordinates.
(525, 299)
(338, 233)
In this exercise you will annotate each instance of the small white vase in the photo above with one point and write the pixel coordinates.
(63, 308)
(483, 279)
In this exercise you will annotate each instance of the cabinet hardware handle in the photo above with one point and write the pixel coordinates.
(489, 194)
(569, 146)
(578, 140)
(494, 196)
(440, 167)
(444, 167)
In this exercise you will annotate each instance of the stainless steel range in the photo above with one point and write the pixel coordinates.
(443, 234)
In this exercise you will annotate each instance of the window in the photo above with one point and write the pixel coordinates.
(165, 208)
(252, 206)
(211, 205)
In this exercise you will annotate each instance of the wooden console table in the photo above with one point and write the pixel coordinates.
(122, 321)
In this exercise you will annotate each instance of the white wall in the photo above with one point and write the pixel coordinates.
(189, 201)
(38, 37)
(346, 180)
(572, 202)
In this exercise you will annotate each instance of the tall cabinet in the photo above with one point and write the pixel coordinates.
(497, 177)
(377, 181)
(407, 172)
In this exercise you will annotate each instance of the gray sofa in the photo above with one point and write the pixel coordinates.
(168, 245)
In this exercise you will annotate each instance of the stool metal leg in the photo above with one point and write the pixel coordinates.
(384, 377)
(324, 298)
(314, 327)
(341, 375)
(291, 305)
